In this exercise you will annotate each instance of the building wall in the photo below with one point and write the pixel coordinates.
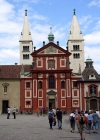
(12, 95)
(75, 62)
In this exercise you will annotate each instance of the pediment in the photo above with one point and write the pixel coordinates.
(50, 48)
(51, 92)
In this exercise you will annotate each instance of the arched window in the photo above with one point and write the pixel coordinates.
(40, 84)
(62, 84)
(51, 82)
(5, 89)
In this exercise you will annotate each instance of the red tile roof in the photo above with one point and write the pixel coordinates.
(12, 71)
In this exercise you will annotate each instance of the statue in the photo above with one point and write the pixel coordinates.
(93, 90)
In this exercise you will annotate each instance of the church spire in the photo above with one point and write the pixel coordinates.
(26, 34)
(75, 32)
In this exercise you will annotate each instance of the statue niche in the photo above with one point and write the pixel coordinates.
(93, 90)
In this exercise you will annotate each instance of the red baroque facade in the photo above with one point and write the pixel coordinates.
(50, 82)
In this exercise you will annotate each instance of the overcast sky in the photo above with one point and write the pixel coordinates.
(41, 15)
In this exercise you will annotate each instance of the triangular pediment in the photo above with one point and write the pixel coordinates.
(50, 48)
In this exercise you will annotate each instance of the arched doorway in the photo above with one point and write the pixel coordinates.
(93, 104)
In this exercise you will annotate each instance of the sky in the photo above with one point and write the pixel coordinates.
(42, 14)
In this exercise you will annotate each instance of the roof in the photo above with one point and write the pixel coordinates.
(75, 32)
(12, 71)
(90, 71)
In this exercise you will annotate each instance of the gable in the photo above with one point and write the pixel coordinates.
(50, 48)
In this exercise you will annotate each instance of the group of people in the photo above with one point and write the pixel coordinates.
(13, 112)
(84, 121)
(41, 111)
(52, 119)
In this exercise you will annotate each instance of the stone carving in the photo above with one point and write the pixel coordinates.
(34, 64)
(86, 94)
(51, 49)
(92, 90)
(67, 62)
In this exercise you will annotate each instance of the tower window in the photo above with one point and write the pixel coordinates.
(51, 81)
(76, 55)
(25, 56)
(76, 47)
(25, 48)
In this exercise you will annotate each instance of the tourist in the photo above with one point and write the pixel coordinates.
(50, 117)
(72, 121)
(95, 122)
(8, 112)
(82, 120)
(14, 112)
(59, 118)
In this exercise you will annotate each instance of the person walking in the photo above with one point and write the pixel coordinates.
(59, 118)
(95, 122)
(82, 120)
(50, 117)
(76, 119)
(37, 111)
(72, 121)
(90, 121)
(14, 112)
(8, 112)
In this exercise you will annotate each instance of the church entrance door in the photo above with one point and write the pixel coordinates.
(52, 103)
(93, 104)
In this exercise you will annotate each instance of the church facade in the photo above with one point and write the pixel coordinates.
(52, 76)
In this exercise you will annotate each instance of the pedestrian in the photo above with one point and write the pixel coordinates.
(82, 120)
(59, 118)
(76, 119)
(72, 121)
(8, 112)
(41, 111)
(90, 121)
(44, 112)
(14, 112)
(50, 117)
(37, 111)
(95, 122)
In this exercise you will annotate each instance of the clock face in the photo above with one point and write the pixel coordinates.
(51, 49)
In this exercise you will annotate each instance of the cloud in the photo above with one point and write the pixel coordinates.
(94, 3)
(8, 56)
(94, 54)
(93, 38)
(34, 1)
(39, 17)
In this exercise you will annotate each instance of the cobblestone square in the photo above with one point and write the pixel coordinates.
(31, 127)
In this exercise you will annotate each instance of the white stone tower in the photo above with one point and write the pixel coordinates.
(76, 46)
(26, 43)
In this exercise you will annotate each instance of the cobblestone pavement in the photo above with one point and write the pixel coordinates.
(31, 127)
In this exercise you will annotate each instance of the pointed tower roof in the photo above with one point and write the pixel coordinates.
(51, 36)
(79, 69)
(26, 34)
(75, 32)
